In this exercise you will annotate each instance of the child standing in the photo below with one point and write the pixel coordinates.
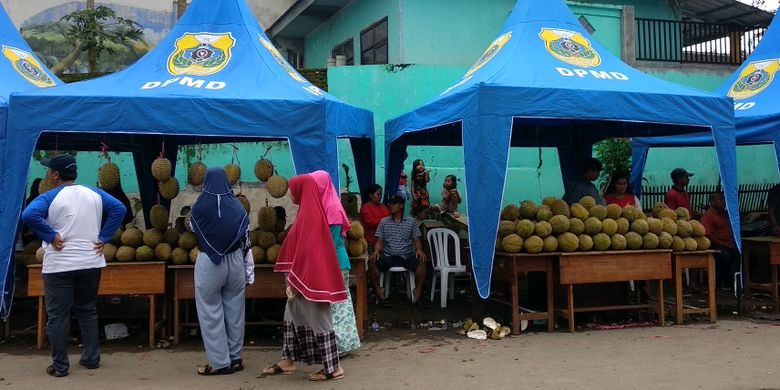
(420, 198)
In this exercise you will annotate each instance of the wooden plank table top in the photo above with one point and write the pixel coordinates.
(130, 278)
(768, 247)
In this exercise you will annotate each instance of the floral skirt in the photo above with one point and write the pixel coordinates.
(347, 338)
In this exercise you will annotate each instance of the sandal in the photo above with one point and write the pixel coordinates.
(237, 365)
(53, 372)
(278, 370)
(321, 376)
(208, 370)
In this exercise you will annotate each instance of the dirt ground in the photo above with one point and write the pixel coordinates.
(730, 354)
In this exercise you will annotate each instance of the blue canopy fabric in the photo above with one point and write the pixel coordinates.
(545, 82)
(20, 70)
(216, 77)
(756, 109)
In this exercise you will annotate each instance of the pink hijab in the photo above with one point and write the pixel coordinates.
(331, 202)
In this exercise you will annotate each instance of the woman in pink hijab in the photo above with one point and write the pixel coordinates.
(343, 312)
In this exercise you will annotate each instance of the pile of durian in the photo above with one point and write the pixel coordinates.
(555, 226)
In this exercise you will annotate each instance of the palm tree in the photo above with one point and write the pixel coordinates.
(91, 30)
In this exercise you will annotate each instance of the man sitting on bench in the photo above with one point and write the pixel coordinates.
(716, 223)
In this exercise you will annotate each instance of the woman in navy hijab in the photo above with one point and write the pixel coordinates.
(221, 224)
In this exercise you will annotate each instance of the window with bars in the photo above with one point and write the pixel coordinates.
(346, 49)
(373, 44)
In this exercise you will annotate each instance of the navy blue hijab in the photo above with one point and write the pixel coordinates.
(218, 218)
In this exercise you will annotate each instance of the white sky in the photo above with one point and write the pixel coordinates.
(770, 5)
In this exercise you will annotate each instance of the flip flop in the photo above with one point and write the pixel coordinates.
(208, 370)
(237, 365)
(321, 376)
(278, 370)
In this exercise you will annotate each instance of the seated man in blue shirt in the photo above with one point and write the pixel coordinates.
(398, 245)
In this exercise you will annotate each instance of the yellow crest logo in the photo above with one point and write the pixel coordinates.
(570, 47)
(27, 66)
(754, 78)
(311, 88)
(491, 52)
(200, 54)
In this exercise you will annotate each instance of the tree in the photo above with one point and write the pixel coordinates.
(615, 156)
(91, 30)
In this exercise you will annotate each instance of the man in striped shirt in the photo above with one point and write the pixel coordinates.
(398, 245)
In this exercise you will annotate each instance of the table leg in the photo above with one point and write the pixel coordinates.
(711, 287)
(773, 270)
(515, 291)
(176, 327)
(362, 301)
(570, 304)
(661, 314)
(746, 269)
(151, 320)
(678, 293)
(550, 300)
(41, 323)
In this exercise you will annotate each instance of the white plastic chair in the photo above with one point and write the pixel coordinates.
(384, 280)
(438, 241)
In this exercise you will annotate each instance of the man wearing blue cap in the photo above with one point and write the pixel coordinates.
(68, 219)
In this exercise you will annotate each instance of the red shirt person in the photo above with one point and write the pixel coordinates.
(677, 196)
(718, 229)
(372, 212)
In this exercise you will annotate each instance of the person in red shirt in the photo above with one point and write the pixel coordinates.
(371, 213)
(619, 191)
(718, 229)
(677, 196)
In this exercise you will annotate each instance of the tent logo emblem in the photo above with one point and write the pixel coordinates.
(570, 47)
(309, 87)
(754, 78)
(491, 52)
(27, 66)
(200, 54)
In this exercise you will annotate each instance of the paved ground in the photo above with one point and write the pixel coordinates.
(731, 354)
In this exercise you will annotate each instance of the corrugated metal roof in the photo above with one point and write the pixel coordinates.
(725, 12)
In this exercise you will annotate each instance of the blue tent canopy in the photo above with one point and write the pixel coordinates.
(216, 77)
(20, 70)
(545, 82)
(756, 109)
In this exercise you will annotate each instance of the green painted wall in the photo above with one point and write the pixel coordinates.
(348, 23)
(704, 80)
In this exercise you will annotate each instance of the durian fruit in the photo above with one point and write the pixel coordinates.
(678, 244)
(44, 185)
(510, 212)
(601, 241)
(283, 234)
(258, 254)
(108, 176)
(161, 169)
(609, 226)
(271, 253)
(277, 186)
(505, 228)
(233, 173)
(669, 225)
(586, 243)
(623, 226)
(544, 213)
(560, 224)
(180, 256)
(109, 252)
(548, 201)
(117, 238)
(631, 213)
(665, 240)
(657, 209)
(169, 188)
(650, 241)
(690, 244)
(264, 169)
(125, 253)
(244, 202)
(559, 207)
(528, 209)
(697, 229)
(576, 226)
(132, 237)
(640, 227)
(196, 174)
(614, 211)
(543, 229)
(568, 242)
(587, 202)
(550, 244)
(144, 253)
(188, 240)
(163, 252)
(667, 213)
(254, 237)
(354, 247)
(593, 226)
(171, 237)
(633, 240)
(702, 243)
(683, 228)
(158, 216)
(655, 226)
(598, 211)
(524, 228)
(194, 252)
(618, 242)
(266, 240)
(682, 213)
(356, 230)
(41, 252)
(579, 211)
(533, 244)
(152, 238)
(512, 243)
(266, 219)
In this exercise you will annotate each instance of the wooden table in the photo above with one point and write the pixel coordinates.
(613, 266)
(131, 278)
(507, 268)
(769, 247)
(696, 260)
(268, 284)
